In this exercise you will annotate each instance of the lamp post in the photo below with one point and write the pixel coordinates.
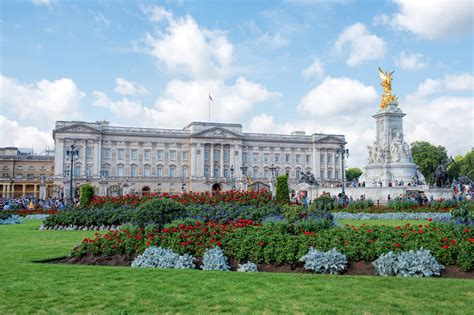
(272, 169)
(244, 168)
(343, 152)
(232, 176)
(183, 189)
(71, 154)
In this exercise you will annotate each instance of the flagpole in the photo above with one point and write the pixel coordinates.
(209, 105)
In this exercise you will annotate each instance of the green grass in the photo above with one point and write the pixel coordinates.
(382, 222)
(28, 287)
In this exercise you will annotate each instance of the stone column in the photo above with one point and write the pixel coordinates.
(83, 158)
(202, 147)
(23, 192)
(221, 171)
(316, 162)
(334, 164)
(7, 191)
(211, 162)
(34, 190)
(97, 163)
(42, 191)
(193, 161)
(326, 162)
(59, 158)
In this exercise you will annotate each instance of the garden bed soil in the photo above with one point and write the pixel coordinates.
(359, 268)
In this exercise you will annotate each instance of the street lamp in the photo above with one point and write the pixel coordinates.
(244, 168)
(183, 190)
(232, 176)
(342, 152)
(71, 154)
(272, 169)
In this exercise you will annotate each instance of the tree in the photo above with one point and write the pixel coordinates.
(353, 173)
(467, 165)
(86, 194)
(282, 195)
(454, 167)
(428, 157)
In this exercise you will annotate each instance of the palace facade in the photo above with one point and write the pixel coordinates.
(25, 174)
(200, 157)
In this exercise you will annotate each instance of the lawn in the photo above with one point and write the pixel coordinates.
(51, 288)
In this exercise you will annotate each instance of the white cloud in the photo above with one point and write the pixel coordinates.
(450, 83)
(125, 87)
(274, 41)
(186, 101)
(315, 69)
(187, 48)
(24, 137)
(408, 61)
(336, 96)
(362, 45)
(42, 103)
(433, 19)
(100, 18)
(42, 2)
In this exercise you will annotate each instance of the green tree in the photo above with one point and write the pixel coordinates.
(454, 167)
(282, 195)
(353, 173)
(86, 194)
(428, 157)
(467, 165)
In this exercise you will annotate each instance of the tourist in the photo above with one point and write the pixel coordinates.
(389, 198)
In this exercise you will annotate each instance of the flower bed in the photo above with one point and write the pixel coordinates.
(254, 198)
(440, 217)
(23, 213)
(282, 243)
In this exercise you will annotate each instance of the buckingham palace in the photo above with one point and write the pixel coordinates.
(200, 157)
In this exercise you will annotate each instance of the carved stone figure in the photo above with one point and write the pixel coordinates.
(441, 176)
(308, 178)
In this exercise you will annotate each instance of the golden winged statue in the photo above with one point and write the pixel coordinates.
(386, 83)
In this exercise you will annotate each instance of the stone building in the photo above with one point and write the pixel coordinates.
(200, 157)
(25, 174)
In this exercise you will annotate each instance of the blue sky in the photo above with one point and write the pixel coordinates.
(274, 66)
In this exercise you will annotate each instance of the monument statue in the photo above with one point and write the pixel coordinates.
(308, 178)
(387, 97)
(389, 158)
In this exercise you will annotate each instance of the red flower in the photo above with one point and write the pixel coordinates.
(396, 245)
(369, 231)
(470, 240)
(371, 241)
(218, 243)
(398, 227)
(466, 230)
(435, 229)
(453, 242)
(420, 231)
(445, 239)
(261, 243)
(445, 246)
(430, 219)
(406, 234)
(148, 243)
(307, 233)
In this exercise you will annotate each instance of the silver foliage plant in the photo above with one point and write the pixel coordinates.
(161, 258)
(214, 259)
(330, 262)
(418, 263)
(441, 217)
(247, 267)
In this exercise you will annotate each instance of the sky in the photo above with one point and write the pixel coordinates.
(273, 66)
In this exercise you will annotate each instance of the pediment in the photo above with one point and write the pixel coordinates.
(216, 132)
(331, 139)
(78, 127)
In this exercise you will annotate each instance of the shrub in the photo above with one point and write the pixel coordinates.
(463, 214)
(214, 259)
(359, 205)
(282, 195)
(86, 194)
(399, 204)
(9, 219)
(157, 257)
(418, 263)
(247, 267)
(157, 211)
(324, 203)
(331, 262)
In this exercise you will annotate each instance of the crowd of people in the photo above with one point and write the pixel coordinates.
(32, 203)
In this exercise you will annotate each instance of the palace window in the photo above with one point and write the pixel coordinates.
(287, 158)
(297, 157)
(159, 171)
(77, 170)
(159, 155)
(120, 154)
(184, 171)
(89, 170)
(147, 154)
(206, 171)
(134, 154)
(277, 157)
(216, 171)
(321, 159)
(172, 171)
(106, 153)
(133, 171)
(120, 170)
(206, 154)
(184, 155)
(226, 154)
(173, 155)
(255, 172)
(308, 159)
(255, 157)
(146, 171)
(266, 157)
(244, 157)
(336, 174)
(89, 152)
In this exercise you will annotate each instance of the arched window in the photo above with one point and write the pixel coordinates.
(159, 171)
(146, 170)
(133, 170)
(172, 172)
